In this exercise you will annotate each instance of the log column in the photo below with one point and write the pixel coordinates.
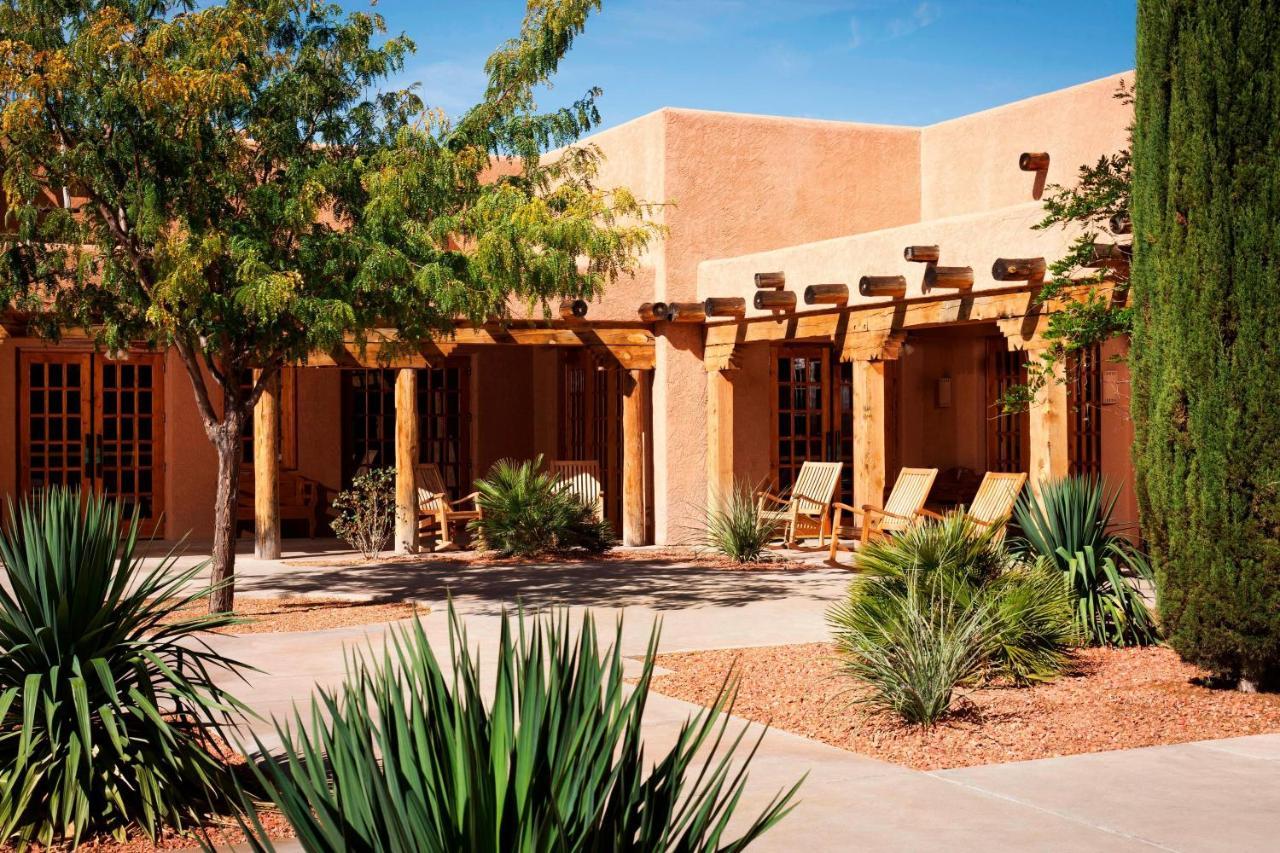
(868, 432)
(719, 436)
(635, 439)
(406, 459)
(266, 471)
(1049, 422)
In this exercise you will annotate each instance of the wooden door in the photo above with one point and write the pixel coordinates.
(91, 422)
(1084, 402)
(804, 425)
(591, 421)
(1008, 433)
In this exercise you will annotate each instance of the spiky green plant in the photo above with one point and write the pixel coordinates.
(1068, 526)
(910, 646)
(527, 512)
(736, 529)
(551, 759)
(106, 699)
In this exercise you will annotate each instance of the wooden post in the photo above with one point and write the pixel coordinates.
(266, 472)
(635, 428)
(868, 433)
(1048, 421)
(719, 438)
(406, 459)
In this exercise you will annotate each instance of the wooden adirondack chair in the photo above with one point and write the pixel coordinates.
(993, 504)
(903, 508)
(805, 508)
(582, 477)
(436, 510)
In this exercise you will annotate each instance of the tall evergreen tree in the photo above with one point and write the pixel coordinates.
(1206, 353)
(237, 184)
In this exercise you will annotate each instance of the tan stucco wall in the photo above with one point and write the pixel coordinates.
(930, 436)
(970, 164)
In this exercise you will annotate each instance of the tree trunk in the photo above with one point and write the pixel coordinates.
(222, 560)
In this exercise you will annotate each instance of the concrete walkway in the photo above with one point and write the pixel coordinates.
(1220, 795)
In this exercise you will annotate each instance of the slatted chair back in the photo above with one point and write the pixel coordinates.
(815, 487)
(582, 477)
(907, 498)
(996, 496)
(433, 497)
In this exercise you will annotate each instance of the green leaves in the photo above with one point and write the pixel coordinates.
(736, 528)
(526, 511)
(552, 759)
(106, 700)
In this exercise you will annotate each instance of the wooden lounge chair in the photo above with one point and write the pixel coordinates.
(806, 507)
(436, 510)
(300, 500)
(582, 477)
(993, 504)
(903, 509)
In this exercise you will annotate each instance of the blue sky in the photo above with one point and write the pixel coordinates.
(892, 61)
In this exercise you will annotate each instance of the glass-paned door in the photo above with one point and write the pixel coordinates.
(802, 413)
(95, 423)
(591, 420)
(369, 421)
(1008, 433)
(1084, 402)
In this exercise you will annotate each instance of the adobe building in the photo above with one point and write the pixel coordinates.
(675, 381)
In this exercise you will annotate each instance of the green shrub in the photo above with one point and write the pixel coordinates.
(367, 512)
(736, 530)
(945, 604)
(1068, 527)
(552, 761)
(104, 708)
(526, 512)
(909, 645)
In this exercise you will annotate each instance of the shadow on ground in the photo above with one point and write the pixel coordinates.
(659, 584)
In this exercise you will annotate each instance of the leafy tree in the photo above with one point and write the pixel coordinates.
(240, 189)
(1206, 355)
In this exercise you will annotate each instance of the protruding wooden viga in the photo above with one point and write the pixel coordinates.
(1033, 161)
(724, 306)
(775, 300)
(686, 312)
(1018, 269)
(921, 254)
(826, 294)
(771, 280)
(951, 278)
(883, 285)
(573, 309)
(653, 311)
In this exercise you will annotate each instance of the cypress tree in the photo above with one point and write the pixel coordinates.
(1206, 353)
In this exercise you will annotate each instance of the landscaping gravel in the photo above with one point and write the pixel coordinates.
(1114, 699)
(305, 613)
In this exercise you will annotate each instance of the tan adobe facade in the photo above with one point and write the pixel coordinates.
(674, 411)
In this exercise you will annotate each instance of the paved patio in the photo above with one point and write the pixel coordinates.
(1218, 795)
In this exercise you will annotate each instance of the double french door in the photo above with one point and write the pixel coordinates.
(94, 423)
(591, 420)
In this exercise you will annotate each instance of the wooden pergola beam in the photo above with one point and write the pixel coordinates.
(573, 309)
(774, 300)
(826, 294)
(947, 278)
(921, 254)
(725, 306)
(1033, 161)
(686, 312)
(771, 280)
(883, 285)
(1018, 269)
(652, 312)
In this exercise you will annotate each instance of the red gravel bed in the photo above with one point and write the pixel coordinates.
(1114, 699)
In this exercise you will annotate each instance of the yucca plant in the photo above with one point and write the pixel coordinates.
(1069, 526)
(525, 511)
(107, 699)
(736, 529)
(554, 760)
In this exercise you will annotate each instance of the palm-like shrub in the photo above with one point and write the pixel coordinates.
(554, 761)
(942, 605)
(105, 700)
(1069, 527)
(527, 512)
(736, 528)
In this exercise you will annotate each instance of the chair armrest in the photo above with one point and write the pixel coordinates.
(471, 497)
(928, 513)
(772, 497)
(801, 499)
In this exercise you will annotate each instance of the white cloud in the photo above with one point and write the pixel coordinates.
(855, 34)
(924, 14)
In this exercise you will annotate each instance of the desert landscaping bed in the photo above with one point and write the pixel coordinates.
(305, 613)
(1113, 699)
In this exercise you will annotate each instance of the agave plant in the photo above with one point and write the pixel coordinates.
(1069, 526)
(553, 761)
(736, 528)
(526, 512)
(107, 699)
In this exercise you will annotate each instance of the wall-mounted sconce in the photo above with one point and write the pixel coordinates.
(942, 393)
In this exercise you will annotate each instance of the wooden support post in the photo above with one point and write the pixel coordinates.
(635, 430)
(826, 294)
(266, 472)
(719, 438)
(774, 300)
(868, 433)
(406, 460)
(1048, 422)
